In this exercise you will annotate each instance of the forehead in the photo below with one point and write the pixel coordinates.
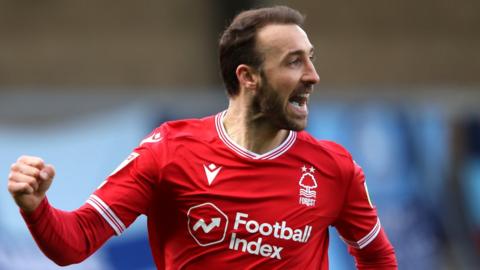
(279, 39)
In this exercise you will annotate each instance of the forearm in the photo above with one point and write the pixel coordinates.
(67, 237)
(378, 255)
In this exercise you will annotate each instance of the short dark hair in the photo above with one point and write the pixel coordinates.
(237, 43)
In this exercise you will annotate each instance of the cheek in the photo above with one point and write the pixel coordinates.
(285, 81)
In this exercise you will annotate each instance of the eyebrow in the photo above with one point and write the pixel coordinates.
(299, 52)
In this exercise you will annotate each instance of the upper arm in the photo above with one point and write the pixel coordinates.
(358, 222)
(129, 190)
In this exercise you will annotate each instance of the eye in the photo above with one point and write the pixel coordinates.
(295, 61)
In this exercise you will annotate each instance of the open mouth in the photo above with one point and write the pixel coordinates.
(299, 100)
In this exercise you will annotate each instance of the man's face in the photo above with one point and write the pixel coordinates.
(287, 75)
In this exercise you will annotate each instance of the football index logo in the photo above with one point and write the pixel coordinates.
(308, 184)
(207, 224)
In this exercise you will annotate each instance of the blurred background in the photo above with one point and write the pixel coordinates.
(82, 82)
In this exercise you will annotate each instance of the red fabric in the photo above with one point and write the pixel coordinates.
(378, 255)
(211, 204)
(67, 237)
(358, 217)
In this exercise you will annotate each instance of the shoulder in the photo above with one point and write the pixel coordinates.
(194, 128)
(164, 140)
(329, 154)
(328, 147)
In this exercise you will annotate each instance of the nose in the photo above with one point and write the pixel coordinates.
(311, 76)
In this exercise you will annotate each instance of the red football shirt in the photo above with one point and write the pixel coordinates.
(211, 203)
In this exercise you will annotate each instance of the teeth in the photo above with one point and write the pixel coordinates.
(295, 103)
(299, 100)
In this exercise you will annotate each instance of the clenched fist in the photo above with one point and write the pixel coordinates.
(28, 181)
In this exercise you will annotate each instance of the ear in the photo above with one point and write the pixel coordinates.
(247, 76)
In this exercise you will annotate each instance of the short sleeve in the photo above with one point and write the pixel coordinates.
(358, 223)
(128, 191)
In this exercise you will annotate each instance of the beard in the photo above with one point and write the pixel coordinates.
(269, 106)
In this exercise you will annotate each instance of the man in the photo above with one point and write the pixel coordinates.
(244, 189)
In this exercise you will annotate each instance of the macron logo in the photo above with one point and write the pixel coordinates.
(211, 171)
(207, 228)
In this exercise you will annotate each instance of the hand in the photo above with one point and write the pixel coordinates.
(28, 181)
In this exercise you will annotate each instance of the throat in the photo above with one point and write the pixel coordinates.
(252, 136)
(261, 144)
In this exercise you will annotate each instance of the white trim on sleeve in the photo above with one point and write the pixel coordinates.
(107, 213)
(367, 239)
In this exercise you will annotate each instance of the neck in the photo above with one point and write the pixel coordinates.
(252, 131)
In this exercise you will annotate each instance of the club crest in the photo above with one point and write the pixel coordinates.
(307, 184)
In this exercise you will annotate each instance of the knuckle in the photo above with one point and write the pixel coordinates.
(32, 181)
(15, 188)
(35, 172)
(28, 180)
(11, 187)
(11, 176)
(22, 187)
